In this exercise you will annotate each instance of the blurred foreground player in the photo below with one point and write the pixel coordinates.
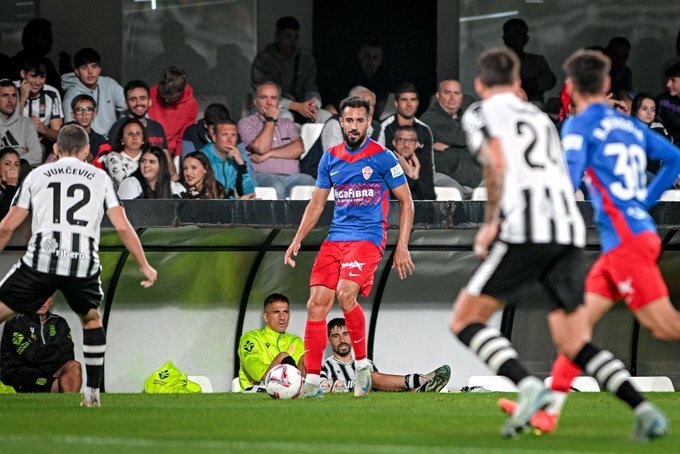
(362, 173)
(68, 199)
(538, 239)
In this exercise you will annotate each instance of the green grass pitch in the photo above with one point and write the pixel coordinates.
(382, 423)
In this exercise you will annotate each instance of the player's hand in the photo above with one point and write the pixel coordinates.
(151, 276)
(403, 263)
(485, 236)
(293, 250)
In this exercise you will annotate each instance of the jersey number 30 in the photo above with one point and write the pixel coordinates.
(630, 167)
(81, 195)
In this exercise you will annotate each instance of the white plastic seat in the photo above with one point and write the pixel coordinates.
(265, 193)
(389, 108)
(444, 193)
(495, 383)
(309, 133)
(479, 194)
(305, 193)
(203, 381)
(583, 384)
(672, 195)
(236, 385)
(653, 384)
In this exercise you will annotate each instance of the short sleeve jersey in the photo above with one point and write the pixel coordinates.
(68, 199)
(613, 150)
(361, 181)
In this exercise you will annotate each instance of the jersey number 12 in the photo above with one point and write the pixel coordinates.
(81, 195)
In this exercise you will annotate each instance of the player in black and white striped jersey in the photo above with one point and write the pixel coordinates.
(67, 199)
(338, 371)
(532, 234)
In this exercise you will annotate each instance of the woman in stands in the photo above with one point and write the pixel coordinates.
(151, 180)
(199, 179)
(9, 178)
(127, 147)
(644, 109)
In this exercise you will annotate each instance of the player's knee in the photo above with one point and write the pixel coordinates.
(73, 368)
(347, 297)
(317, 309)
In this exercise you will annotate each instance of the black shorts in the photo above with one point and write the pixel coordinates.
(510, 268)
(30, 382)
(24, 290)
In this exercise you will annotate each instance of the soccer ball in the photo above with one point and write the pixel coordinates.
(283, 382)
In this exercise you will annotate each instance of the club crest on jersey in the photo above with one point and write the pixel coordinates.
(367, 172)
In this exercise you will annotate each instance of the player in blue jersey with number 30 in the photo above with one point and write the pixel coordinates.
(361, 174)
(612, 149)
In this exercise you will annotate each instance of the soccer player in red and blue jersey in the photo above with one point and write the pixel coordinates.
(361, 174)
(613, 149)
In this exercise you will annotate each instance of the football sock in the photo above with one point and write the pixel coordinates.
(493, 349)
(413, 381)
(94, 346)
(316, 338)
(563, 373)
(609, 372)
(356, 326)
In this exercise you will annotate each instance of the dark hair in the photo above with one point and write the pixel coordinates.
(136, 83)
(498, 66)
(81, 98)
(4, 83)
(336, 323)
(171, 85)
(515, 23)
(405, 128)
(587, 70)
(33, 66)
(7, 150)
(212, 189)
(273, 298)
(72, 139)
(405, 87)
(31, 29)
(617, 41)
(163, 182)
(637, 102)
(673, 71)
(355, 102)
(225, 121)
(214, 113)
(117, 144)
(287, 22)
(85, 56)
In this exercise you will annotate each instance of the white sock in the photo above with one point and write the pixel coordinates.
(90, 393)
(313, 379)
(555, 407)
(362, 363)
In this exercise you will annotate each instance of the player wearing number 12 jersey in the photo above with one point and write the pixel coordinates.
(68, 199)
(612, 149)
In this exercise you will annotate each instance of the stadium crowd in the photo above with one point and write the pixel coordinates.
(148, 136)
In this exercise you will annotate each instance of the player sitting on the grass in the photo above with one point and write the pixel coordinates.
(68, 200)
(37, 354)
(339, 372)
(261, 349)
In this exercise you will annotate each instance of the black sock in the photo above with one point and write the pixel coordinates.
(494, 349)
(94, 346)
(609, 372)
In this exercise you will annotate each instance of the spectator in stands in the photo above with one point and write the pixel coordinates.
(36, 40)
(17, 131)
(127, 148)
(199, 179)
(152, 179)
(536, 75)
(40, 102)
(87, 79)
(668, 103)
(644, 109)
(229, 162)
(407, 103)
(37, 354)
(138, 101)
(9, 178)
(260, 350)
(452, 160)
(197, 135)
(173, 106)
(405, 143)
(618, 51)
(84, 109)
(294, 71)
(274, 143)
(338, 371)
(331, 134)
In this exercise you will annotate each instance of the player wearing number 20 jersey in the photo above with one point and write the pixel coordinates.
(68, 199)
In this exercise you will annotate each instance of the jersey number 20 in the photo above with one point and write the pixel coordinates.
(81, 195)
(630, 167)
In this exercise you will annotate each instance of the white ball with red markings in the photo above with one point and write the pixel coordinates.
(283, 382)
